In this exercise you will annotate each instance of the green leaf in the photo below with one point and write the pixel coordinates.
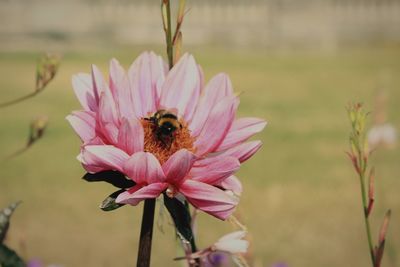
(115, 178)
(181, 216)
(109, 203)
(5, 216)
(8, 258)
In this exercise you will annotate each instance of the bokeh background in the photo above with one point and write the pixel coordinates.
(298, 64)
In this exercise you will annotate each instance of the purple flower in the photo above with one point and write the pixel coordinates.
(35, 263)
(216, 259)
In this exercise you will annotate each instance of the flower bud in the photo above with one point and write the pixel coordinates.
(46, 70)
(384, 227)
(181, 11)
(37, 128)
(178, 47)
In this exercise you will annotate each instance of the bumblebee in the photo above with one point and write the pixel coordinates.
(166, 123)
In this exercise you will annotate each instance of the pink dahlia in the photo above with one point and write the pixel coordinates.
(197, 160)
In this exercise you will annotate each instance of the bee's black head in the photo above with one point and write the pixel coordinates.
(167, 128)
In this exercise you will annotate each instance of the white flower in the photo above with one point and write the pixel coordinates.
(384, 134)
(232, 243)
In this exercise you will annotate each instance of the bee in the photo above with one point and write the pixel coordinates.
(166, 123)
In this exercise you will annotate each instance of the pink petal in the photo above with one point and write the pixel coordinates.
(99, 85)
(95, 141)
(138, 193)
(159, 69)
(143, 75)
(104, 157)
(82, 84)
(201, 78)
(131, 136)
(108, 118)
(161, 79)
(84, 124)
(181, 88)
(217, 88)
(119, 87)
(233, 184)
(144, 168)
(87, 167)
(178, 165)
(208, 198)
(213, 170)
(217, 125)
(243, 151)
(117, 75)
(241, 130)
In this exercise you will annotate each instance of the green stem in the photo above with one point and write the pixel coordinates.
(20, 99)
(367, 225)
(17, 153)
(168, 35)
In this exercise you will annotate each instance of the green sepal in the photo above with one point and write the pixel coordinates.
(8, 258)
(115, 178)
(109, 203)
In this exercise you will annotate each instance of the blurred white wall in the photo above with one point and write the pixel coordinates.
(274, 23)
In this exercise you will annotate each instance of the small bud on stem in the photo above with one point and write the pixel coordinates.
(371, 193)
(384, 227)
(46, 69)
(178, 47)
(382, 239)
(36, 131)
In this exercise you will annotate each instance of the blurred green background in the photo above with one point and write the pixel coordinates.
(301, 200)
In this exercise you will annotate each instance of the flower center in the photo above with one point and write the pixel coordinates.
(164, 144)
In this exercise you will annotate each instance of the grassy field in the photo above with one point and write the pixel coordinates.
(301, 200)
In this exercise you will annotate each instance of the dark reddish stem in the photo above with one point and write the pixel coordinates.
(146, 233)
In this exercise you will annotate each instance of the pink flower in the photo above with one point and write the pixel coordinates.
(203, 155)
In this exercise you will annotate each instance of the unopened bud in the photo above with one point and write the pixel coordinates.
(37, 128)
(178, 47)
(181, 11)
(384, 227)
(164, 15)
(371, 191)
(381, 240)
(46, 70)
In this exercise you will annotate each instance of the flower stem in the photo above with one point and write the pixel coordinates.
(168, 33)
(359, 156)
(146, 233)
(366, 219)
(362, 163)
(20, 99)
